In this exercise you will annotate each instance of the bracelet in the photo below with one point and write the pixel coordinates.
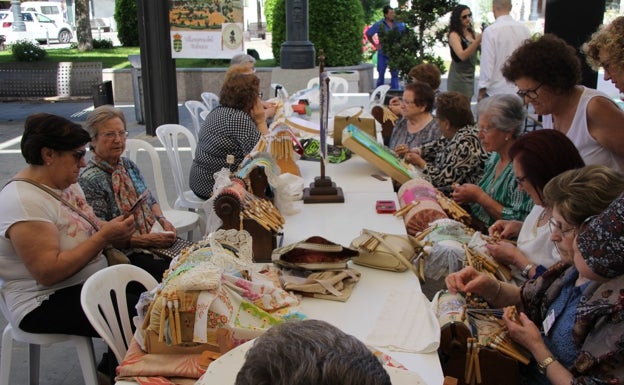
(159, 217)
(500, 285)
(526, 270)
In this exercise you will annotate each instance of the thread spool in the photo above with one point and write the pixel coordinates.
(428, 210)
(454, 326)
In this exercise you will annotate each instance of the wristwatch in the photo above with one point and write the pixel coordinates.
(542, 365)
(526, 270)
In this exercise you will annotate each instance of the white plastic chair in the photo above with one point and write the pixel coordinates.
(337, 85)
(84, 347)
(279, 90)
(184, 221)
(378, 95)
(210, 99)
(196, 107)
(110, 318)
(168, 136)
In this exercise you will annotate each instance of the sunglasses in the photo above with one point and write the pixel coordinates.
(464, 17)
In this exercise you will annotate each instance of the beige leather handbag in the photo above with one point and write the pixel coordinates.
(391, 252)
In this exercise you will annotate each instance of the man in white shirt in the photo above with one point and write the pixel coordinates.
(499, 40)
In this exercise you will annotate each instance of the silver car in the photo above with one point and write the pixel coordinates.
(38, 27)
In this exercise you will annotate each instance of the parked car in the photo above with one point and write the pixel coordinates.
(51, 9)
(38, 27)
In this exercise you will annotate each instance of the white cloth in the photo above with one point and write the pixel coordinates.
(498, 43)
(406, 324)
(21, 201)
(591, 151)
(535, 243)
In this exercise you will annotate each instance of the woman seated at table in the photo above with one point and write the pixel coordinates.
(457, 157)
(232, 129)
(417, 125)
(606, 49)
(496, 196)
(577, 302)
(537, 157)
(47, 250)
(547, 72)
(113, 183)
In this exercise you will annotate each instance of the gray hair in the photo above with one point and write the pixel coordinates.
(506, 112)
(242, 58)
(310, 352)
(100, 115)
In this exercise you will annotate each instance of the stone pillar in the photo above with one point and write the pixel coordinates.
(297, 51)
(18, 23)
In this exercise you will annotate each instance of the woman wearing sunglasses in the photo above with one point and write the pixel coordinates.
(464, 43)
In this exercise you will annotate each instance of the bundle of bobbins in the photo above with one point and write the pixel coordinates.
(242, 210)
(282, 150)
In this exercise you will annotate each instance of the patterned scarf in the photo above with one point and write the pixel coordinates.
(126, 194)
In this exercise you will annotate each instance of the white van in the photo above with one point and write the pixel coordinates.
(51, 9)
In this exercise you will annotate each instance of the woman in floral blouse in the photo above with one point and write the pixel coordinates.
(458, 157)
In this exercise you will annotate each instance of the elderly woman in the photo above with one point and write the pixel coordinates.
(417, 125)
(501, 120)
(113, 183)
(606, 49)
(537, 157)
(547, 72)
(580, 320)
(457, 157)
(232, 129)
(47, 250)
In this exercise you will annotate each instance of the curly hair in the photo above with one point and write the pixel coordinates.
(609, 37)
(579, 194)
(51, 131)
(544, 154)
(455, 24)
(548, 60)
(240, 91)
(423, 94)
(428, 73)
(455, 108)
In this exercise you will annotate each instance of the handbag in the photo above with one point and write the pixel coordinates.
(113, 255)
(313, 253)
(390, 252)
(366, 124)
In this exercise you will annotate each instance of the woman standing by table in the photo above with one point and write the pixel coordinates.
(496, 196)
(464, 43)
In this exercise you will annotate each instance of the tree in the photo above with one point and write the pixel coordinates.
(83, 26)
(372, 10)
(127, 20)
(334, 25)
(415, 46)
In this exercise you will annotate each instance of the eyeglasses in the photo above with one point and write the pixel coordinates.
(112, 134)
(464, 17)
(520, 179)
(556, 227)
(79, 154)
(260, 94)
(530, 93)
(485, 130)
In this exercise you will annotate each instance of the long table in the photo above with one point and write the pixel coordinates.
(341, 223)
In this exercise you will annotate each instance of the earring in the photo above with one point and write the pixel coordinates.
(507, 139)
(48, 163)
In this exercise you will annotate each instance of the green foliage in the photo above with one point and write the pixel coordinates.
(26, 50)
(415, 46)
(97, 44)
(372, 10)
(334, 26)
(268, 13)
(127, 22)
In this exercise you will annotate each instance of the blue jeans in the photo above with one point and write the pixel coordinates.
(382, 64)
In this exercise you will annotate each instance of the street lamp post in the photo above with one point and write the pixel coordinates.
(18, 23)
(534, 12)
